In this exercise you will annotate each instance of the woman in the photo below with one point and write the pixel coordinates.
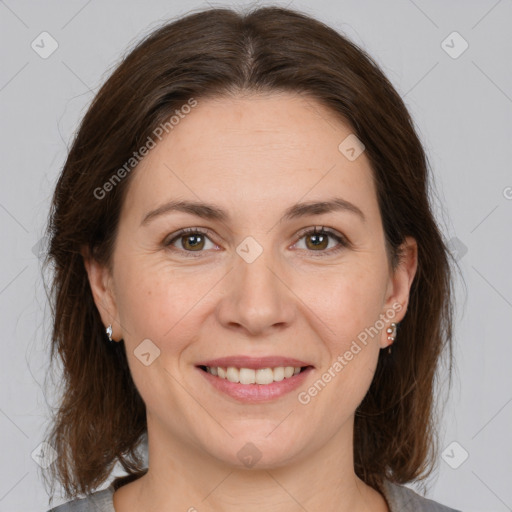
(240, 234)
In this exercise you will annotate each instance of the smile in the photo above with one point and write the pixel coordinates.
(262, 376)
(251, 385)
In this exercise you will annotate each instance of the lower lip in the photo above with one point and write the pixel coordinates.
(256, 392)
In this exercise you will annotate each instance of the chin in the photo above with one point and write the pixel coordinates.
(254, 451)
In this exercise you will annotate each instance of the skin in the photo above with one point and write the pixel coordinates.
(254, 156)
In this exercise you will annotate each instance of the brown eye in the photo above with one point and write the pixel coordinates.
(192, 242)
(189, 240)
(317, 240)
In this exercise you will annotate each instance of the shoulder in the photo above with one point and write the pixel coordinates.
(102, 501)
(403, 499)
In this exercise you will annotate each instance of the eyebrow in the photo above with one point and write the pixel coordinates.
(213, 212)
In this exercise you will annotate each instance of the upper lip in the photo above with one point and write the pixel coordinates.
(253, 362)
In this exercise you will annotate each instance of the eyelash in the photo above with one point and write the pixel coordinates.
(343, 242)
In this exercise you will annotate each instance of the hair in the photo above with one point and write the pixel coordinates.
(101, 418)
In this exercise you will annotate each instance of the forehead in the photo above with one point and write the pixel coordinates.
(253, 152)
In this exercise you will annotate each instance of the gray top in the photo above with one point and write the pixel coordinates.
(399, 498)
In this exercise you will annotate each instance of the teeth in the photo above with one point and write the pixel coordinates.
(250, 376)
(246, 376)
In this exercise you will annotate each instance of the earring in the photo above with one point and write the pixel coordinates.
(109, 332)
(391, 335)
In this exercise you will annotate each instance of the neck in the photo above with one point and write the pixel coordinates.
(184, 477)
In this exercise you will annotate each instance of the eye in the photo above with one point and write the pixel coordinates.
(319, 241)
(190, 239)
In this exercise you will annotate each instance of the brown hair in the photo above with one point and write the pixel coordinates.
(101, 418)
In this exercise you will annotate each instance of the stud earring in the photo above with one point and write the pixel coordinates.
(391, 335)
(109, 332)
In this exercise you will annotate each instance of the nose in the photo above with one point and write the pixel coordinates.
(257, 298)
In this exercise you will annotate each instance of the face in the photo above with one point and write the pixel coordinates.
(254, 283)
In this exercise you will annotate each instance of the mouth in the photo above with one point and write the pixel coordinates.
(254, 380)
(259, 376)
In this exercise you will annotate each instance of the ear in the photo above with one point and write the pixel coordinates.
(100, 280)
(399, 286)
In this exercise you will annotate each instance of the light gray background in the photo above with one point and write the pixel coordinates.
(463, 109)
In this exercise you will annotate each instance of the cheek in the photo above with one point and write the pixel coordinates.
(346, 302)
(161, 303)
(347, 319)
